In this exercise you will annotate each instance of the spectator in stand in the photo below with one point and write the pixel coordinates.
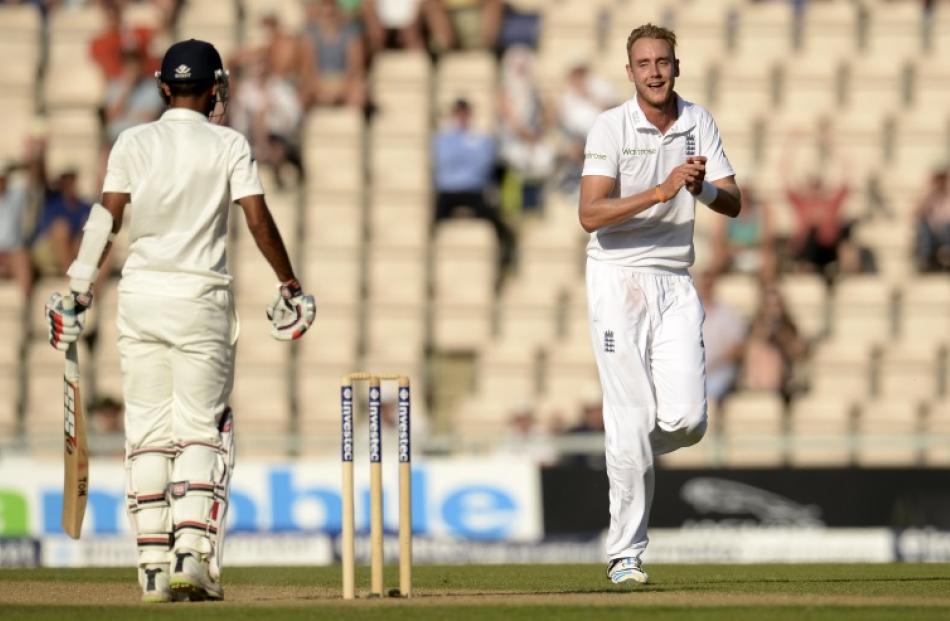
(475, 23)
(132, 98)
(524, 438)
(525, 121)
(724, 333)
(55, 241)
(820, 225)
(14, 259)
(932, 246)
(267, 110)
(284, 51)
(745, 243)
(108, 47)
(774, 348)
(584, 97)
(464, 161)
(591, 425)
(334, 58)
(398, 24)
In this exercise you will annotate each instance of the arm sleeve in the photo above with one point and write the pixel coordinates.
(717, 164)
(244, 178)
(602, 151)
(117, 169)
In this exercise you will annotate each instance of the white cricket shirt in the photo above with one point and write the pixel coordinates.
(183, 173)
(624, 145)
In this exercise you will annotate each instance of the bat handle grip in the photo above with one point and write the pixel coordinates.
(72, 353)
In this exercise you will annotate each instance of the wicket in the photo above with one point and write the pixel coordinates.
(376, 486)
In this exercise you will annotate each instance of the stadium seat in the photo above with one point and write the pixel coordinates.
(894, 26)
(263, 425)
(892, 246)
(701, 32)
(740, 291)
(931, 88)
(841, 368)
(805, 297)
(465, 263)
(400, 219)
(765, 29)
(333, 168)
(43, 407)
(876, 83)
(506, 368)
(830, 28)
(570, 373)
(334, 219)
(318, 399)
(753, 429)
(12, 301)
(290, 12)
(819, 431)
(400, 168)
(143, 15)
(211, 21)
(909, 371)
(810, 83)
(937, 434)
(334, 337)
(9, 403)
(329, 128)
(888, 433)
(397, 276)
(76, 25)
(920, 145)
(923, 310)
(471, 76)
(550, 254)
(528, 313)
(395, 332)
(460, 328)
(334, 276)
(862, 309)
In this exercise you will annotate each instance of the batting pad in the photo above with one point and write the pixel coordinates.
(147, 474)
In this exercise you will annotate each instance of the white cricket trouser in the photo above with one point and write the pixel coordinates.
(177, 365)
(646, 330)
(177, 358)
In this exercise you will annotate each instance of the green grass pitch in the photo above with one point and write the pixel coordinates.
(549, 592)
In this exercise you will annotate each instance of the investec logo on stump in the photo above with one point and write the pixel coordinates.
(403, 425)
(375, 441)
(347, 414)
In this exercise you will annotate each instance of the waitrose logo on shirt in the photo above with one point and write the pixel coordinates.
(595, 156)
(634, 152)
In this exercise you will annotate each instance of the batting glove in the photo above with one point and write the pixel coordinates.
(291, 313)
(65, 326)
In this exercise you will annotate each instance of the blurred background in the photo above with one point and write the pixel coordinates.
(422, 159)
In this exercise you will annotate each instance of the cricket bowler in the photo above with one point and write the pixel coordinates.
(647, 163)
(176, 318)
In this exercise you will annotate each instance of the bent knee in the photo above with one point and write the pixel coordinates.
(687, 422)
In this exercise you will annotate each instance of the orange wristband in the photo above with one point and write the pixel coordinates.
(659, 195)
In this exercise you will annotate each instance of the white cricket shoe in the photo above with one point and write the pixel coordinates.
(190, 580)
(153, 579)
(626, 569)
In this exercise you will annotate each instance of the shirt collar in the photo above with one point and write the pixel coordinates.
(643, 123)
(183, 114)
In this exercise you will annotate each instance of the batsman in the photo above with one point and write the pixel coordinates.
(178, 176)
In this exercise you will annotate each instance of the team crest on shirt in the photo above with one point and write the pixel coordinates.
(182, 72)
(690, 143)
(609, 342)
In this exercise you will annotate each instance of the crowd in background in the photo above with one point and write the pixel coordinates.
(501, 176)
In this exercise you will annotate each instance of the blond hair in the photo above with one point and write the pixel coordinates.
(651, 31)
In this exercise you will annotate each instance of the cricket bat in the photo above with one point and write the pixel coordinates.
(75, 451)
